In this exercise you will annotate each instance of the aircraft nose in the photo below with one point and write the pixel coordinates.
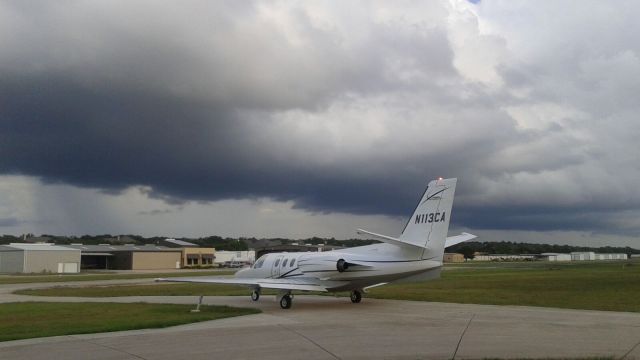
(241, 271)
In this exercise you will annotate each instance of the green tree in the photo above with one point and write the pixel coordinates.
(467, 251)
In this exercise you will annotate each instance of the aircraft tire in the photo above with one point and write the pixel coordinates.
(356, 296)
(255, 295)
(285, 302)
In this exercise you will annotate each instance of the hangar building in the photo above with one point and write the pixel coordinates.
(195, 256)
(129, 257)
(555, 257)
(38, 258)
(453, 258)
(587, 255)
(192, 254)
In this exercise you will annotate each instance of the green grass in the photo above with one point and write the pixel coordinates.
(597, 286)
(29, 278)
(611, 286)
(37, 319)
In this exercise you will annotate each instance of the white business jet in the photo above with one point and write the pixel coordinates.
(414, 256)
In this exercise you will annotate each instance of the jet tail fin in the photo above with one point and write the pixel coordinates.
(429, 224)
(426, 230)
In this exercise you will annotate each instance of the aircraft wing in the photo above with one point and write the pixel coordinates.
(453, 240)
(304, 284)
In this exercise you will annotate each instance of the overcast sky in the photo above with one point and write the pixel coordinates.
(296, 119)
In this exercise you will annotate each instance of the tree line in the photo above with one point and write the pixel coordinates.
(469, 248)
(242, 243)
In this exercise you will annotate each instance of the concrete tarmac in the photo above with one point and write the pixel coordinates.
(321, 327)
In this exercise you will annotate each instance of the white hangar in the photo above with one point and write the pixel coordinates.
(38, 258)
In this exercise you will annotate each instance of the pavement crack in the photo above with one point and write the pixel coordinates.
(116, 349)
(630, 351)
(311, 341)
(462, 336)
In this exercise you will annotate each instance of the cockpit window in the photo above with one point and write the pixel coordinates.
(284, 263)
(259, 263)
(293, 261)
(277, 262)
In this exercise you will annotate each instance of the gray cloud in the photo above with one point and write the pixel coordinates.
(7, 222)
(156, 212)
(208, 101)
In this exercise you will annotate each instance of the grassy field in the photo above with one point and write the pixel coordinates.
(35, 319)
(611, 286)
(597, 286)
(29, 278)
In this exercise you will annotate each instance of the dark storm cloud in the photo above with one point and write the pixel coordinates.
(8, 222)
(127, 119)
(242, 100)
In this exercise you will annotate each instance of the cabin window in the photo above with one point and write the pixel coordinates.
(277, 262)
(293, 261)
(284, 263)
(259, 263)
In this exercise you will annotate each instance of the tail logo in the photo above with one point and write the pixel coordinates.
(432, 196)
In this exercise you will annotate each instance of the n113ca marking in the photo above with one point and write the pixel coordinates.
(430, 217)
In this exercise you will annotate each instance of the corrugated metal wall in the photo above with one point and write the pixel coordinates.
(37, 261)
(11, 261)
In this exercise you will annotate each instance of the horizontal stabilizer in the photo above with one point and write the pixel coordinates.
(453, 240)
(388, 239)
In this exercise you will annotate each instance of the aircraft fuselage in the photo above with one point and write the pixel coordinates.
(349, 269)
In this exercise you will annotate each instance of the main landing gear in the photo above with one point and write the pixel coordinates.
(356, 296)
(285, 302)
(285, 299)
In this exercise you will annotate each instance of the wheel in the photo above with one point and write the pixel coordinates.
(285, 302)
(255, 295)
(356, 296)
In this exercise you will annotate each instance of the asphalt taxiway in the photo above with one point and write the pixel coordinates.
(321, 327)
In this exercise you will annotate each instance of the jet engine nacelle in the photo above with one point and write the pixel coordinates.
(342, 265)
(324, 263)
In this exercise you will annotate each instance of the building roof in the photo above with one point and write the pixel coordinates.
(113, 248)
(40, 247)
(180, 242)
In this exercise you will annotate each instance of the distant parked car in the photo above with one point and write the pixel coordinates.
(233, 264)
